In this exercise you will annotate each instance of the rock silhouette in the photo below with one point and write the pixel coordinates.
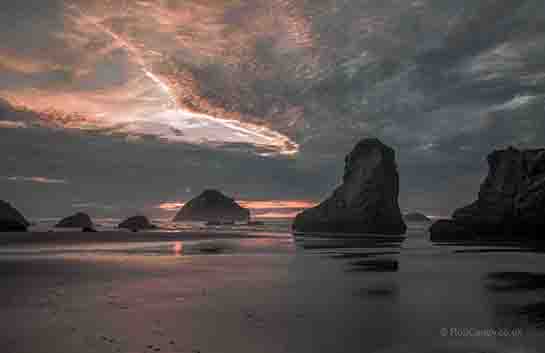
(510, 204)
(11, 220)
(137, 223)
(78, 220)
(366, 202)
(416, 217)
(212, 206)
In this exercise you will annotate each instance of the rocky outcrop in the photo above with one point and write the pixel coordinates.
(137, 223)
(212, 206)
(366, 202)
(511, 201)
(11, 220)
(416, 217)
(79, 220)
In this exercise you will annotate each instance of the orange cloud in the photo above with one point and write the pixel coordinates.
(170, 206)
(277, 204)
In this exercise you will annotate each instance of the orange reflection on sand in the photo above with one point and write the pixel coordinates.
(177, 248)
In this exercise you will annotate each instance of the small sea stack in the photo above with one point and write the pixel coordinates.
(212, 206)
(78, 220)
(510, 205)
(11, 220)
(137, 223)
(416, 217)
(367, 200)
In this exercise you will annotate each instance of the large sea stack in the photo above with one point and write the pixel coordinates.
(510, 205)
(366, 202)
(79, 220)
(11, 220)
(212, 206)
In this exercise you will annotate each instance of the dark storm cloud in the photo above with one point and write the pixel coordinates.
(442, 81)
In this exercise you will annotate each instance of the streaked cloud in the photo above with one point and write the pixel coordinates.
(37, 179)
(9, 124)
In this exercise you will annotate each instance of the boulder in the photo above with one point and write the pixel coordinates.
(212, 206)
(11, 220)
(137, 223)
(367, 200)
(79, 220)
(511, 200)
(416, 217)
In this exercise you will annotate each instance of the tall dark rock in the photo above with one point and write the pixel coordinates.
(212, 205)
(367, 200)
(11, 220)
(511, 200)
(78, 220)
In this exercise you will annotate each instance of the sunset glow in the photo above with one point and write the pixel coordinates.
(259, 208)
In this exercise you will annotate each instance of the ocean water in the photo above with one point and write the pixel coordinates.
(271, 293)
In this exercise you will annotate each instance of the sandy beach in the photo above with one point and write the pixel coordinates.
(262, 294)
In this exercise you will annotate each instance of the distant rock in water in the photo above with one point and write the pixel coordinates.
(511, 201)
(366, 202)
(79, 220)
(212, 206)
(137, 223)
(11, 220)
(416, 217)
(255, 223)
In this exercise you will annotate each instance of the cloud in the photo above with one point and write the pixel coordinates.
(9, 124)
(444, 82)
(37, 179)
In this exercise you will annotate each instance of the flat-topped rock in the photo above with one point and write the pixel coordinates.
(367, 200)
(212, 206)
(78, 220)
(11, 220)
(137, 223)
(511, 200)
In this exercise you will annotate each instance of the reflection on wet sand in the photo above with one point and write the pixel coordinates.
(356, 255)
(498, 250)
(358, 248)
(319, 243)
(534, 313)
(381, 290)
(177, 248)
(516, 281)
(526, 286)
(376, 265)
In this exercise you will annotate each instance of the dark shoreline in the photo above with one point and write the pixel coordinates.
(13, 238)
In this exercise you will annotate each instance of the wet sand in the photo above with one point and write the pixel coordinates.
(55, 237)
(264, 294)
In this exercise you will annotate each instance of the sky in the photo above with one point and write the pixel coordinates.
(115, 107)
